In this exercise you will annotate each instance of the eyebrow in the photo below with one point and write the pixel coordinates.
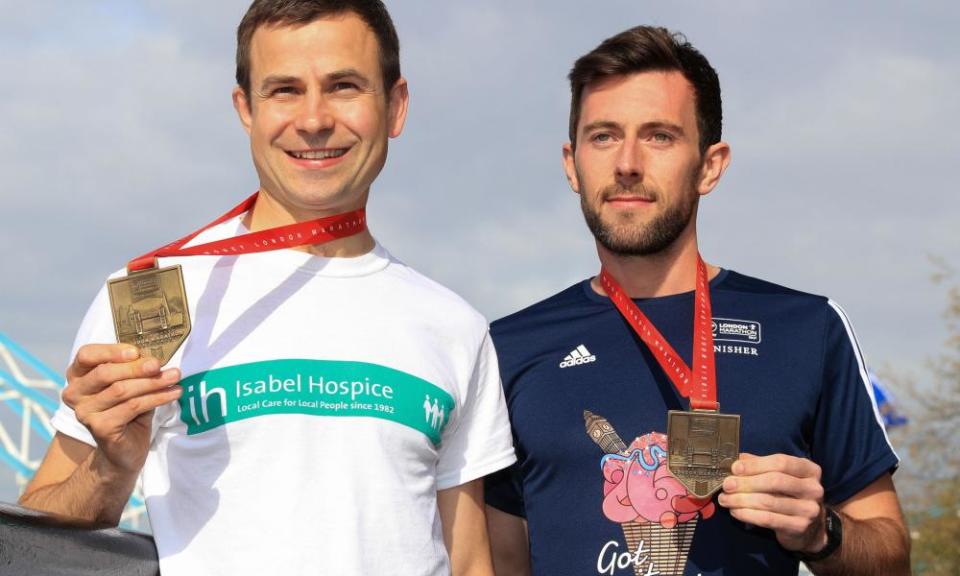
(278, 79)
(331, 77)
(346, 73)
(663, 124)
(601, 124)
(653, 125)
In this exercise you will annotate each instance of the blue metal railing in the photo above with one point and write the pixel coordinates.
(47, 403)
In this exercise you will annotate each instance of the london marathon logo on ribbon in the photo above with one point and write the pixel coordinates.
(313, 387)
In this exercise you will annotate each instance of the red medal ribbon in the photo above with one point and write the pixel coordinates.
(700, 384)
(290, 236)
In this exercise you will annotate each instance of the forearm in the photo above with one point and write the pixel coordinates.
(870, 546)
(470, 551)
(94, 493)
(480, 569)
(465, 529)
(509, 543)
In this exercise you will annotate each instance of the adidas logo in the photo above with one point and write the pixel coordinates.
(579, 355)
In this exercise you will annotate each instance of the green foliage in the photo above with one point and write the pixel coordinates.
(928, 484)
(936, 533)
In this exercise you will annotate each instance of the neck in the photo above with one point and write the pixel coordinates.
(268, 213)
(672, 271)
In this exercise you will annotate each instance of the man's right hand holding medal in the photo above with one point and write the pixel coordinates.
(114, 392)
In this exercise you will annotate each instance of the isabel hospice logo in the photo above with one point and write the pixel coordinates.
(316, 388)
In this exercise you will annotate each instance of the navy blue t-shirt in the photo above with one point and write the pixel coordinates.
(787, 362)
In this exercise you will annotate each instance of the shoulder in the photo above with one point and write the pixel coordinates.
(734, 281)
(544, 315)
(97, 324)
(739, 289)
(412, 289)
(538, 336)
(810, 320)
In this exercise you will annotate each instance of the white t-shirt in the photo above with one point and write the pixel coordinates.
(326, 400)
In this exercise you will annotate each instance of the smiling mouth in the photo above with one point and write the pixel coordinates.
(318, 154)
(630, 199)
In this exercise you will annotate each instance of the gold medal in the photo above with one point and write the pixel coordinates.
(150, 311)
(702, 445)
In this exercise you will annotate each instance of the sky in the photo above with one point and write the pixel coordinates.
(117, 135)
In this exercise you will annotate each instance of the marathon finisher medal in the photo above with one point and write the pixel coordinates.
(150, 311)
(702, 446)
(702, 443)
(150, 306)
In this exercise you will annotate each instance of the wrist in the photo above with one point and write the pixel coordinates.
(109, 473)
(829, 541)
(818, 545)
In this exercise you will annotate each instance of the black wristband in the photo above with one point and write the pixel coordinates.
(834, 527)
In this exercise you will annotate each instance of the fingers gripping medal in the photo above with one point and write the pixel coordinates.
(149, 305)
(702, 443)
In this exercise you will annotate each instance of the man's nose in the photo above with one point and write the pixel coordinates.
(315, 115)
(629, 168)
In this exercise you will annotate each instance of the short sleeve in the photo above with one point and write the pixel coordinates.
(849, 440)
(479, 442)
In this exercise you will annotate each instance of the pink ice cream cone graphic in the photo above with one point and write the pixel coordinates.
(652, 507)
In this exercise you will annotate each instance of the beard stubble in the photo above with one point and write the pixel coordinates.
(633, 238)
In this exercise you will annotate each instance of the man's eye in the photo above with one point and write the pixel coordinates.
(601, 138)
(662, 137)
(339, 86)
(283, 90)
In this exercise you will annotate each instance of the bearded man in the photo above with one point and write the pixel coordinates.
(772, 452)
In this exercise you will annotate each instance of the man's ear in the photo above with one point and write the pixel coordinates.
(570, 167)
(398, 102)
(715, 162)
(242, 105)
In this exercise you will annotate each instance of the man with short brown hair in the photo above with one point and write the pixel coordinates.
(332, 411)
(724, 383)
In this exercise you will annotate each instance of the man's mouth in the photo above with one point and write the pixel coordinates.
(317, 154)
(617, 193)
(630, 198)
